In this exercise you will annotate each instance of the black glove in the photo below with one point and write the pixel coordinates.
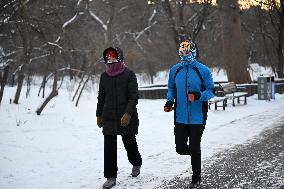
(192, 96)
(100, 121)
(168, 106)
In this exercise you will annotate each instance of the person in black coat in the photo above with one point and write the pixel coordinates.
(117, 113)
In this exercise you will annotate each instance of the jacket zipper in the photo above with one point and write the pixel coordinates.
(187, 94)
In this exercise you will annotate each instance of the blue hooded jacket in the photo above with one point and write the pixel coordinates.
(184, 79)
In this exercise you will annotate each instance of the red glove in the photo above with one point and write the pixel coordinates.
(192, 96)
(168, 106)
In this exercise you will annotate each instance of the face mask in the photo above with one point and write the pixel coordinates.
(188, 58)
(112, 61)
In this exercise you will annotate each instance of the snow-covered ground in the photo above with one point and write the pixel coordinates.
(63, 147)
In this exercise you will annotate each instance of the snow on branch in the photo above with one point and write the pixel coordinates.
(6, 20)
(69, 21)
(54, 44)
(79, 2)
(10, 53)
(57, 40)
(152, 16)
(9, 4)
(81, 50)
(136, 35)
(6, 62)
(140, 46)
(94, 16)
(39, 57)
(191, 18)
(144, 30)
(18, 69)
(123, 8)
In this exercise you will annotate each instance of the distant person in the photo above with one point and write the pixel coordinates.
(190, 86)
(117, 113)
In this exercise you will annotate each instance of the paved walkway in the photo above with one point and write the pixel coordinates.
(259, 164)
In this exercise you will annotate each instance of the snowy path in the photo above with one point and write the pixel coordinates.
(259, 164)
(63, 148)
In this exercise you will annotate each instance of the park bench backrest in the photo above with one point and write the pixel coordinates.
(230, 87)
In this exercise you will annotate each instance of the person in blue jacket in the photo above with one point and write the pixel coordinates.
(190, 86)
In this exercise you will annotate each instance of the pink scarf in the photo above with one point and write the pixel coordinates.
(115, 69)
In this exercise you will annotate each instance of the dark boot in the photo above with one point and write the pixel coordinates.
(109, 183)
(135, 171)
(195, 182)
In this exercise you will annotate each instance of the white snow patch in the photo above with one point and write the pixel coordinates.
(70, 21)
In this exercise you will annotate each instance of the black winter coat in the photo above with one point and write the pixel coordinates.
(118, 95)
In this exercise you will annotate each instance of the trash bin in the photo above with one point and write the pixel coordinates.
(266, 88)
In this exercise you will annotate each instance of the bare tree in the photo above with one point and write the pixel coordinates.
(15, 14)
(187, 21)
(26, 32)
(280, 50)
(54, 91)
(262, 31)
(234, 55)
(149, 34)
(3, 80)
(276, 15)
(44, 80)
(26, 57)
(269, 15)
(4, 70)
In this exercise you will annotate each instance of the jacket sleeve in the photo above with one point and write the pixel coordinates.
(171, 96)
(101, 98)
(132, 93)
(209, 86)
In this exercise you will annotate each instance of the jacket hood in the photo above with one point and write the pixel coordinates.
(118, 51)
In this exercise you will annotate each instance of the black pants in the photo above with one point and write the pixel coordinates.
(193, 134)
(110, 153)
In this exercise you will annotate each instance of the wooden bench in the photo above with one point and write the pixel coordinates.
(216, 100)
(232, 92)
(225, 92)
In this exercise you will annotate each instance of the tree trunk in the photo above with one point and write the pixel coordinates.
(280, 64)
(234, 55)
(13, 80)
(3, 81)
(74, 96)
(261, 26)
(54, 91)
(43, 84)
(152, 78)
(77, 102)
(24, 33)
(21, 77)
(28, 85)
(170, 17)
(50, 96)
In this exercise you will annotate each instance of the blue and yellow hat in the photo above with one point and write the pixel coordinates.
(187, 46)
